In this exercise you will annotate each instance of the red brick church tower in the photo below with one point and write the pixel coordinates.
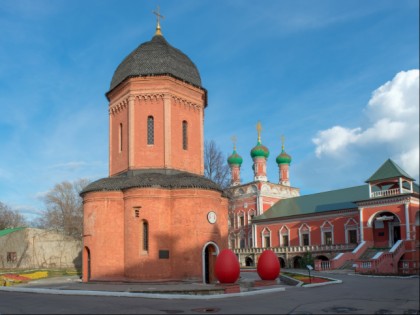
(156, 217)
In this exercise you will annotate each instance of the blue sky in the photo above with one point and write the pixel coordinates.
(338, 78)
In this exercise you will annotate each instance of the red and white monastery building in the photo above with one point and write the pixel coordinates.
(373, 228)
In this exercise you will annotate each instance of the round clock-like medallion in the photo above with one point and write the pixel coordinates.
(211, 217)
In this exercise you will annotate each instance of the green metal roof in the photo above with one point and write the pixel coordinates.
(388, 170)
(325, 201)
(8, 231)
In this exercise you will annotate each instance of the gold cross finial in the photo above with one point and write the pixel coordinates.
(282, 142)
(233, 138)
(259, 128)
(158, 16)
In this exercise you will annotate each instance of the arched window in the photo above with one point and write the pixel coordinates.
(145, 230)
(284, 236)
(266, 237)
(351, 231)
(185, 135)
(327, 233)
(150, 130)
(250, 239)
(304, 235)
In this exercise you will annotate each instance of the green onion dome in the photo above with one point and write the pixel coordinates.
(283, 158)
(234, 159)
(260, 151)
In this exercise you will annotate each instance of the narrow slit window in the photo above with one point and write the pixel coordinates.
(150, 130)
(120, 137)
(145, 236)
(185, 135)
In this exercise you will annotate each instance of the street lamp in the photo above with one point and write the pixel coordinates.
(309, 267)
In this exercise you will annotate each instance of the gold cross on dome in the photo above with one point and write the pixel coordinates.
(158, 17)
(233, 138)
(259, 128)
(282, 142)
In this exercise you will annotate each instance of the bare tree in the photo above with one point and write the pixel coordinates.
(10, 218)
(64, 208)
(215, 165)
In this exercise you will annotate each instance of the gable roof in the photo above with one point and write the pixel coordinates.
(340, 199)
(388, 170)
(8, 231)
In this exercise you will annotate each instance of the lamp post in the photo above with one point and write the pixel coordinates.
(309, 267)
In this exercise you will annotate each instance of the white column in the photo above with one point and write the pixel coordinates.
(401, 185)
(361, 223)
(254, 235)
(407, 221)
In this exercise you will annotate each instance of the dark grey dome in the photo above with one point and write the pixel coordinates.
(157, 57)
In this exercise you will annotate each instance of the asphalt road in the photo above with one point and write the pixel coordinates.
(356, 295)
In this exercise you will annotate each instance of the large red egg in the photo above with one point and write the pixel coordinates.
(226, 267)
(268, 267)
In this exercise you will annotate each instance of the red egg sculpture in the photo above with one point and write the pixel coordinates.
(268, 267)
(226, 267)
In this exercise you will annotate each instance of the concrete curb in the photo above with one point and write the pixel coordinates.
(311, 285)
(141, 295)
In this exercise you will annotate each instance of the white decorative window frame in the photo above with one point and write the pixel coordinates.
(351, 225)
(327, 226)
(304, 229)
(266, 231)
(284, 230)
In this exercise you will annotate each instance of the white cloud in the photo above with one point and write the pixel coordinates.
(393, 122)
(334, 140)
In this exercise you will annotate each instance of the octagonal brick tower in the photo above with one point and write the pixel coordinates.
(156, 217)
(156, 105)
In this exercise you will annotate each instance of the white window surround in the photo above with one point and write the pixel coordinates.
(241, 215)
(327, 226)
(351, 225)
(284, 230)
(304, 229)
(249, 239)
(265, 232)
(251, 212)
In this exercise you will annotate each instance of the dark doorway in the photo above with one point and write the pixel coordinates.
(282, 262)
(397, 233)
(249, 261)
(297, 262)
(209, 260)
